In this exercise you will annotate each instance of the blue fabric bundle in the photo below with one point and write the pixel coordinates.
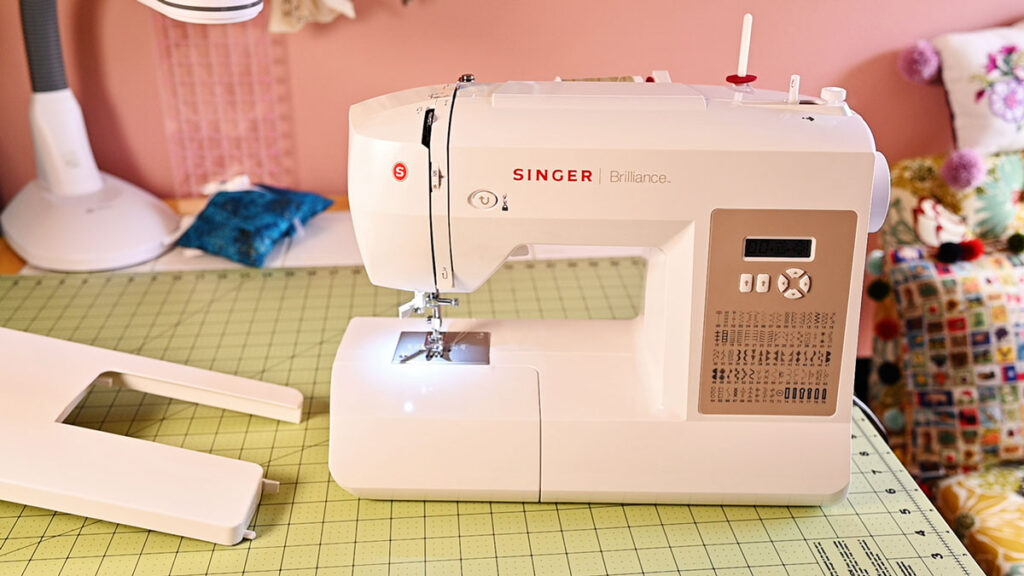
(245, 226)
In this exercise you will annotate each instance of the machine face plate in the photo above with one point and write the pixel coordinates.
(776, 312)
(460, 348)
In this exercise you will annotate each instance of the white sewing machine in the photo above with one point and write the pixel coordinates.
(733, 386)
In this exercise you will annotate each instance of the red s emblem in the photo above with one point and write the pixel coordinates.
(399, 171)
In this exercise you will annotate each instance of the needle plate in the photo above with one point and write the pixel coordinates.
(459, 348)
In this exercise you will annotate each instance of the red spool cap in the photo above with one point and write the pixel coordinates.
(740, 80)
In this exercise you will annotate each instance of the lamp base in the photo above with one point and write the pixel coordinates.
(117, 226)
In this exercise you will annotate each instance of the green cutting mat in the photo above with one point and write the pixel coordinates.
(284, 326)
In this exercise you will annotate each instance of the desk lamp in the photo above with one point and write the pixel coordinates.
(73, 217)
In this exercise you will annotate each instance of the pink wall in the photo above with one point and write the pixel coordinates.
(112, 61)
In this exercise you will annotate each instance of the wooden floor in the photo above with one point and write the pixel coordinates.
(10, 263)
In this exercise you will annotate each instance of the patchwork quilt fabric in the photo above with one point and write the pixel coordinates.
(960, 354)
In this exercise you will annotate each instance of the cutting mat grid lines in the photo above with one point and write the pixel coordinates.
(284, 326)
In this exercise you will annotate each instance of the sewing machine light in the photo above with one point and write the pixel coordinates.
(74, 217)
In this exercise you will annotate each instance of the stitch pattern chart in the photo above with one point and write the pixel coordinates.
(284, 326)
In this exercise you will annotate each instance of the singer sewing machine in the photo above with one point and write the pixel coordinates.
(734, 385)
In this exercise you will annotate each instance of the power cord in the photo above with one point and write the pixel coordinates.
(872, 418)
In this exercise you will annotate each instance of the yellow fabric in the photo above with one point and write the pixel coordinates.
(922, 177)
(986, 510)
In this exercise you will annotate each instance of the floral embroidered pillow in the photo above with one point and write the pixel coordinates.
(983, 73)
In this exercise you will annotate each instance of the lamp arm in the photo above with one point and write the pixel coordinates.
(64, 159)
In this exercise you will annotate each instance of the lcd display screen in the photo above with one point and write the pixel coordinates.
(784, 248)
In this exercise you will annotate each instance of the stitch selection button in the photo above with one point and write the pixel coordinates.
(764, 282)
(746, 282)
(794, 284)
(805, 283)
(783, 283)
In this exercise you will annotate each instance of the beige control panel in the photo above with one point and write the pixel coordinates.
(775, 316)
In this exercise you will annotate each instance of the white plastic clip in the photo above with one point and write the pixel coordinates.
(794, 89)
(271, 486)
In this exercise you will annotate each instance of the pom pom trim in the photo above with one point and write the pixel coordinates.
(919, 62)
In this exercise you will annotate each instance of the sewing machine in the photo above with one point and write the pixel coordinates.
(734, 384)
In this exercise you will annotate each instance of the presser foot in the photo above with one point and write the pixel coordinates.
(446, 347)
